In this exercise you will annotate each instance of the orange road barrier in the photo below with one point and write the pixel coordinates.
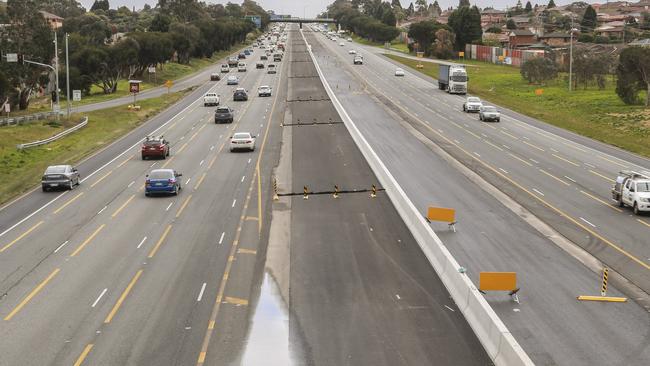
(499, 281)
(442, 214)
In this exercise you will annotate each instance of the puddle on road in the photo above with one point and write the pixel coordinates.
(268, 340)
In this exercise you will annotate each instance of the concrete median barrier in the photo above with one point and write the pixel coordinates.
(500, 345)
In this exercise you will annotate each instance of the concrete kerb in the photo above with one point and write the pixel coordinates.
(500, 345)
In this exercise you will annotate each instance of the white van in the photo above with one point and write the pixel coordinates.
(210, 99)
(241, 67)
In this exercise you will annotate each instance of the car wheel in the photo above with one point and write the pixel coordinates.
(498, 119)
(44, 189)
(144, 157)
(635, 209)
(168, 152)
(620, 202)
(464, 109)
(175, 191)
(480, 118)
(70, 185)
(164, 156)
(146, 194)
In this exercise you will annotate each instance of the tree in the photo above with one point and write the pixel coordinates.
(100, 5)
(494, 29)
(551, 4)
(589, 20)
(396, 4)
(510, 24)
(444, 44)
(645, 20)
(528, 8)
(160, 23)
(422, 6)
(389, 18)
(184, 38)
(424, 33)
(410, 10)
(538, 70)
(436, 8)
(94, 27)
(463, 3)
(466, 24)
(633, 74)
(589, 66)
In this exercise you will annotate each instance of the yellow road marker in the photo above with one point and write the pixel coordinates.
(34, 292)
(600, 175)
(198, 183)
(612, 161)
(554, 177)
(101, 179)
(88, 240)
(566, 160)
(246, 251)
(201, 357)
(533, 146)
(251, 218)
(180, 210)
(67, 203)
(214, 158)
(83, 355)
(520, 159)
(211, 324)
(236, 301)
(160, 241)
(21, 236)
(473, 134)
(602, 298)
(124, 162)
(601, 201)
(643, 222)
(167, 162)
(119, 302)
(123, 205)
(193, 136)
(182, 148)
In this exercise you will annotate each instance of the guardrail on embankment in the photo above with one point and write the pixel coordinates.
(55, 137)
(499, 344)
(19, 120)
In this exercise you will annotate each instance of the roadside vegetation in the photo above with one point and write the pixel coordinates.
(596, 113)
(21, 170)
(394, 45)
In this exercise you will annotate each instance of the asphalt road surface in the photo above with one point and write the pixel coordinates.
(411, 140)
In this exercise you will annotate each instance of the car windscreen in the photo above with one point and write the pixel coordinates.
(643, 187)
(223, 110)
(152, 143)
(459, 78)
(59, 169)
(242, 136)
(160, 175)
(489, 109)
(473, 100)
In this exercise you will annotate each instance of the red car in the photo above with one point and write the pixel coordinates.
(155, 147)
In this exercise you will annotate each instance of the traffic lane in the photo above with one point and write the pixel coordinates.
(356, 253)
(632, 255)
(488, 246)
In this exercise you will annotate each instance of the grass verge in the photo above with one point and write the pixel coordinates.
(20, 171)
(598, 114)
(397, 46)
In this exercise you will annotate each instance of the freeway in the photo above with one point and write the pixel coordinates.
(494, 232)
(103, 275)
(557, 177)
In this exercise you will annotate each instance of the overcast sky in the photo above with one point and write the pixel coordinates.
(313, 7)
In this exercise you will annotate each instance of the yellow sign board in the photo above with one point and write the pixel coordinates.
(461, 54)
(539, 91)
(419, 54)
(501, 58)
(498, 281)
(441, 214)
(169, 83)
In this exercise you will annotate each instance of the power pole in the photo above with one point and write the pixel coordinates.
(571, 57)
(56, 75)
(67, 74)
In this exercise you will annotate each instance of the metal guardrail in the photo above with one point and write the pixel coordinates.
(19, 120)
(83, 123)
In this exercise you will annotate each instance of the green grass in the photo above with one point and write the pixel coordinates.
(398, 46)
(21, 170)
(598, 114)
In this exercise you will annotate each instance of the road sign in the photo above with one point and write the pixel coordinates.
(461, 54)
(12, 57)
(56, 108)
(76, 95)
(152, 69)
(539, 92)
(7, 108)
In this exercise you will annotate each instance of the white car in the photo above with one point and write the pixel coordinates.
(472, 104)
(232, 80)
(242, 141)
(349, 39)
(210, 99)
(489, 113)
(264, 91)
(352, 52)
(225, 68)
(399, 72)
(241, 67)
(342, 44)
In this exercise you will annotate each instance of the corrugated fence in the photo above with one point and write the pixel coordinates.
(499, 55)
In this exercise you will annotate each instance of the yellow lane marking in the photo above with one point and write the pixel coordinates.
(215, 157)
(520, 159)
(540, 199)
(533, 146)
(246, 251)
(182, 148)
(510, 135)
(251, 218)
(193, 136)
(123, 205)
(566, 160)
(88, 240)
(119, 302)
(259, 199)
(21, 236)
(83, 355)
(575, 147)
(34, 292)
(67, 203)
(211, 325)
(554, 177)
(601, 201)
(473, 134)
(167, 162)
(172, 126)
(201, 357)
(612, 161)
(124, 162)
(160, 241)
(236, 301)
(198, 183)
(643, 222)
(180, 210)
(101, 179)
(493, 145)
(600, 175)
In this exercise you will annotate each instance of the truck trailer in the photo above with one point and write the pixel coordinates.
(452, 78)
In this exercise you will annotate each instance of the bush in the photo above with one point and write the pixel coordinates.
(586, 38)
(601, 39)
(539, 70)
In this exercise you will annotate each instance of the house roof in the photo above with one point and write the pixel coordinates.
(556, 35)
(521, 19)
(520, 32)
(47, 15)
(641, 42)
(493, 12)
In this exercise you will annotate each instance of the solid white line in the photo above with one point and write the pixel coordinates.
(33, 213)
(201, 293)
(581, 218)
(188, 180)
(221, 239)
(99, 297)
(60, 246)
(201, 162)
(102, 210)
(450, 308)
(130, 184)
(569, 178)
(233, 202)
(170, 205)
(477, 154)
(242, 178)
(538, 191)
(503, 170)
(141, 242)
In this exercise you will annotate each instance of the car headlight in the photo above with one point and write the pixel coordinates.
(645, 200)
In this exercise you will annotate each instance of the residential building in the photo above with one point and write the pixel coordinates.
(555, 39)
(520, 38)
(53, 20)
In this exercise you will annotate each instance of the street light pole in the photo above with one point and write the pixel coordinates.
(56, 76)
(67, 74)
(571, 57)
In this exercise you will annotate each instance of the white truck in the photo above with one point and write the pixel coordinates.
(452, 78)
(632, 189)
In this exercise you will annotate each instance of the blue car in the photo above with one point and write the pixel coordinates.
(162, 181)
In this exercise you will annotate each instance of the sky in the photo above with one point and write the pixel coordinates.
(311, 8)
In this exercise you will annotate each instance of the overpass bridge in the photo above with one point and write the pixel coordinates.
(304, 20)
